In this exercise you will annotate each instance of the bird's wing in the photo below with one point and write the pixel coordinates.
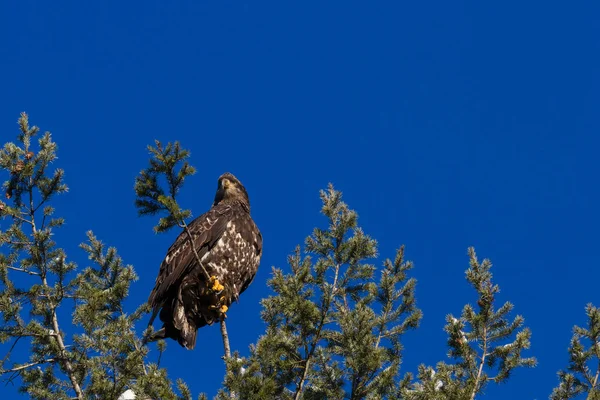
(206, 231)
(257, 244)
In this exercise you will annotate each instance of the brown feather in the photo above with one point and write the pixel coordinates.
(229, 245)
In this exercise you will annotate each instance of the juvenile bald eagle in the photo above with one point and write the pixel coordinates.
(229, 246)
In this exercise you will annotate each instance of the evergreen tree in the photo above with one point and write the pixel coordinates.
(333, 326)
(334, 321)
(483, 341)
(102, 356)
(584, 365)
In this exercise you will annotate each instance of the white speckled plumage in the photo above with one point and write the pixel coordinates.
(230, 248)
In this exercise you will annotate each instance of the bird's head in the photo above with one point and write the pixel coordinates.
(230, 190)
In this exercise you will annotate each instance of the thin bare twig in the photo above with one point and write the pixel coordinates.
(160, 353)
(191, 240)
(23, 270)
(18, 243)
(22, 219)
(9, 351)
(25, 366)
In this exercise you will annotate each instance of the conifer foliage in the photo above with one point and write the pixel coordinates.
(583, 372)
(42, 292)
(169, 163)
(485, 344)
(333, 326)
(334, 320)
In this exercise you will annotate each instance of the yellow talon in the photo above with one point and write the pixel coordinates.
(224, 309)
(216, 286)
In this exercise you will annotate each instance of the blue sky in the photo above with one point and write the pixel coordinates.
(445, 124)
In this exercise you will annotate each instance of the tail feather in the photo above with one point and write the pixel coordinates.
(188, 308)
(188, 338)
(185, 327)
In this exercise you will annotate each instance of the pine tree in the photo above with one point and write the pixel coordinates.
(333, 328)
(584, 365)
(102, 355)
(486, 345)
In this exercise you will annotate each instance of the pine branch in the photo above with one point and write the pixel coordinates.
(61, 345)
(317, 337)
(481, 364)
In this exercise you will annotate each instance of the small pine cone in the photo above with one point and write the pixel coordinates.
(2, 206)
(19, 166)
(29, 155)
(9, 194)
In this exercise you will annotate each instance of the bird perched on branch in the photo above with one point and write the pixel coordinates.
(228, 244)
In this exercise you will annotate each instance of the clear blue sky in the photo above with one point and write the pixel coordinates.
(445, 124)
